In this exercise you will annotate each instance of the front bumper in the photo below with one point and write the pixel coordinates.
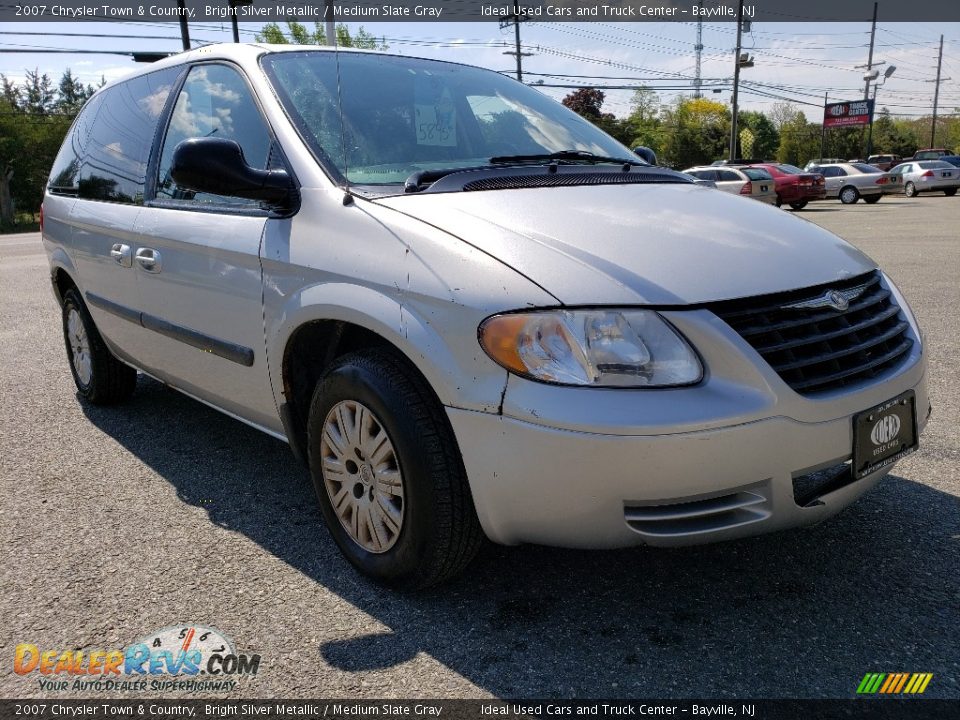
(595, 468)
(537, 484)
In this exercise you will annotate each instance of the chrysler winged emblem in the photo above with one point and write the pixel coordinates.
(838, 300)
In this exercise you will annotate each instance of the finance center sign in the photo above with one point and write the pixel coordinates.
(847, 114)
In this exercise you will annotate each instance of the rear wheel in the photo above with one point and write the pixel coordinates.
(950, 192)
(799, 205)
(849, 195)
(98, 375)
(910, 190)
(388, 473)
(873, 199)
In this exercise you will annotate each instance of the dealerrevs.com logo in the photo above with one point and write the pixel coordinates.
(173, 658)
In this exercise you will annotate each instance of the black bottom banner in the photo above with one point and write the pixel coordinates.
(895, 709)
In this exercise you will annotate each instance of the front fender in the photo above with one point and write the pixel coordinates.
(456, 367)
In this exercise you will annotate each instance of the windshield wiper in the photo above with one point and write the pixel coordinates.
(565, 156)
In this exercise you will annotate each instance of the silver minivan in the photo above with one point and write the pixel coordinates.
(469, 311)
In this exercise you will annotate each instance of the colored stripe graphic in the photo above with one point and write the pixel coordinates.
(894, 683)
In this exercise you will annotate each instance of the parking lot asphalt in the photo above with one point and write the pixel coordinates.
(120, 521)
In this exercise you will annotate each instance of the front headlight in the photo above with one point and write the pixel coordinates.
(603, 348)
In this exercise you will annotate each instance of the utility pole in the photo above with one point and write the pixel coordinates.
(823, 128)
(866, 89)
(515, 19)
(698, 49)
(184, 30)
(736, 83)
(936, 95)
(330, 28)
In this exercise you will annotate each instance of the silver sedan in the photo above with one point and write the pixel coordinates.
(852, 181)
(928, 176)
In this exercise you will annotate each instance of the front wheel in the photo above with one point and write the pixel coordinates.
(950, 192)
(873, 199)
(388, 474)
(799, 205)
(910, 190)
(849, 195)
(98, 375)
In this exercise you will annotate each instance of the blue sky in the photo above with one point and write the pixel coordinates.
(798, 61)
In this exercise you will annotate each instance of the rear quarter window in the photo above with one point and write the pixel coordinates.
(114, 164)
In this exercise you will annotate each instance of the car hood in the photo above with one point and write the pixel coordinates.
(657, 244)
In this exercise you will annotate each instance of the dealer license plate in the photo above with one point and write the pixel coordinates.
(884, 434)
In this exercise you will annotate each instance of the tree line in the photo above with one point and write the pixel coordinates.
(36, 114)
(695, 131)
(34, 118)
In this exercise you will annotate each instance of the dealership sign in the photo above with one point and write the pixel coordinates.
(848, 114)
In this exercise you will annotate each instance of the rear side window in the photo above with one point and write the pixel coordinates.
(727, 176)
(214, 102)
(66, 168)
(114, 165)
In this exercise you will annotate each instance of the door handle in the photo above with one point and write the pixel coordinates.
(149, 259)
(122, 254)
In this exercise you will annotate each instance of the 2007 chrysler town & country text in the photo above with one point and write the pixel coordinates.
(469, 310)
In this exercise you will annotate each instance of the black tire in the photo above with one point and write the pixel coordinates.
(872, 199)
(439, 534)
(849, 195)
(799, 205)
(910, 190)
(779, 200)
(110, 380)
(950, 192)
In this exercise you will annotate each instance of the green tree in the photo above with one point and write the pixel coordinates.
(38, 93)
(71, 94)
(644, 123)
(799, 141)
(698, 131)
(298, 34)
(766, 138)
(588, 103)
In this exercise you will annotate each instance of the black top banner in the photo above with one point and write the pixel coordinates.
(368, 11)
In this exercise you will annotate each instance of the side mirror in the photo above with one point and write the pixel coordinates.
(646, 154)
(217, 166)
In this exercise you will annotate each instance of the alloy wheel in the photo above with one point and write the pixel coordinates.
(79, 347)
(362, 476)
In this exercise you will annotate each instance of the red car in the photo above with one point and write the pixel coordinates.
(794, 186)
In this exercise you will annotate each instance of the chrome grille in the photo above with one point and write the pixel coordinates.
(815, 347)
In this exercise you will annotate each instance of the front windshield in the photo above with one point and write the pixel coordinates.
(403, 115)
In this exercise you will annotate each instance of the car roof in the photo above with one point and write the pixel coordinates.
(240, 53)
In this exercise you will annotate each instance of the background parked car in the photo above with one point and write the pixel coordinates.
(793, 186)
(884, 162)
(928, 176)
(931, 154)
(699, 181)
(749, 182)
(822, 161)
(852, 181)
(952, 159)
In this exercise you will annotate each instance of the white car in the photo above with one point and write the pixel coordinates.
(928, 176)
(753, 183)
(468, 310)
(852, 181)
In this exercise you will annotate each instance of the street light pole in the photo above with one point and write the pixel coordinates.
(736, 83)
(184, 30)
